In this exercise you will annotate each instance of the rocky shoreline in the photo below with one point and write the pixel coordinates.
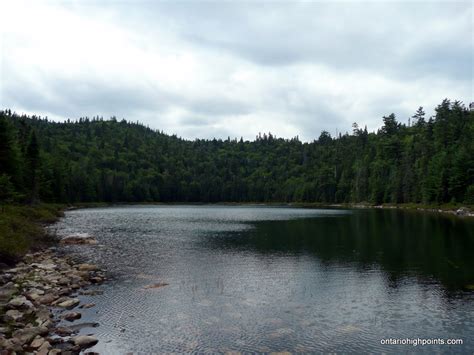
(460, 212)
(38, 293)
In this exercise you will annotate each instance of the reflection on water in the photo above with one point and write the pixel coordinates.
(261, 279)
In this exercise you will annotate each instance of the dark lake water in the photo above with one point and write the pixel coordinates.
(262, 279)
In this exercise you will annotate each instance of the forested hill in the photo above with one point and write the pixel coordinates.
(431, 161)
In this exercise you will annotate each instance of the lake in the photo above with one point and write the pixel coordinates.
(262, 279)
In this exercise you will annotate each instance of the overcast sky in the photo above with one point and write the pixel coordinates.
(204, 69)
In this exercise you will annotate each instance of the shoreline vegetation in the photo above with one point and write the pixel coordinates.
(22, 229)
(461, 210)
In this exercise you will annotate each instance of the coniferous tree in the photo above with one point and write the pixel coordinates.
(32, 162)
(10, 162)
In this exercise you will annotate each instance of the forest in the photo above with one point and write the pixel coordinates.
(430, 161)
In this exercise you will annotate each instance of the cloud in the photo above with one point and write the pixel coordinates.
(216, 69)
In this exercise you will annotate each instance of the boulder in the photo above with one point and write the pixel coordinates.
(43, 312)
(5, 278)
(83, 275)
(69, 304)
(87, 305)
(64, 291)
(7, 291)
(60, 299)
(20, 302)
(37, 342)
(79, 238)
(26, 335)
(11, 346)
(46, 266)
(71, 316)
(87, 267)
(44, 348)
(63, 331)
(34, 294)
(156, 285)
(84, 341)
(13, 315)
(96, 280)
(63, 281)
(91, 292)
(47, 298)
(462, 211)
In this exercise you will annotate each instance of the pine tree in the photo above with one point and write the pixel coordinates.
(9, 154)
(32, 159)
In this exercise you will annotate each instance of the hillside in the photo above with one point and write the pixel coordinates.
(93, 160)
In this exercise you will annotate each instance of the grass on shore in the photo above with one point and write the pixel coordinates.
(21, 229)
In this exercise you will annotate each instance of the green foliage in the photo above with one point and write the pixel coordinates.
(20, 228)
(9, 153)
(7, 190)
(94, 160)
(469, 199)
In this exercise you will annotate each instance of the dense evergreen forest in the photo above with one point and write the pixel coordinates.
(92, 160)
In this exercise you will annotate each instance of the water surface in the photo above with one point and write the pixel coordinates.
(261, 279)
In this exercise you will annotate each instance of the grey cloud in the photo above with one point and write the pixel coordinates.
(315, 114)
(85, 97)
(429, 43)
(217, 106)
(91, 97)
(341, 35)
(193, 130)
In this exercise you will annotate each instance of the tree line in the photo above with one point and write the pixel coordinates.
(430, 161)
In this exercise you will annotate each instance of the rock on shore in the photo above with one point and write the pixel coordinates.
(79, 238)
(29, 293)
